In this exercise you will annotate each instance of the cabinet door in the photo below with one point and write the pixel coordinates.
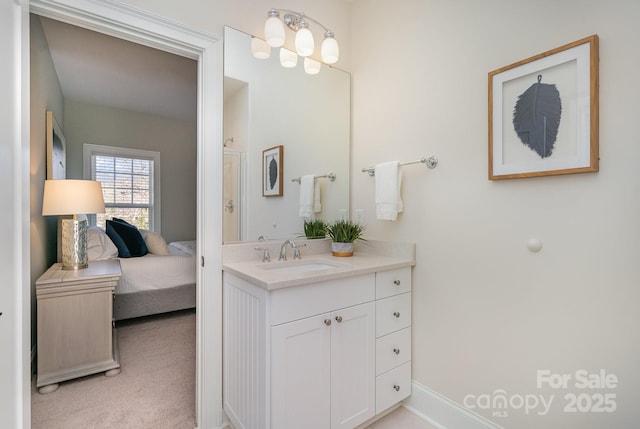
(300, 374)
(352, 366)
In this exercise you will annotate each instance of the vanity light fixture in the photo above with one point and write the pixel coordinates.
(274, 33)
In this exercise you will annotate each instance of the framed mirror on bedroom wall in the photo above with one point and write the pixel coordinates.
(268, 106)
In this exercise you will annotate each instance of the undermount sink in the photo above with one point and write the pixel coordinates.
(302, 266)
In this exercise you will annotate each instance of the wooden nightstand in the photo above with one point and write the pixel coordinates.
(76, 333)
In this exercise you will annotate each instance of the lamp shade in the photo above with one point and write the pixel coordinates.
(311, 66)
(260, 49)
(274, 30)
(304, 40)
(288, 58)
(329, 49)
(72, 197)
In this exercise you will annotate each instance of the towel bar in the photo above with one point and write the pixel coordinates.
(431, 162)
(330, 176)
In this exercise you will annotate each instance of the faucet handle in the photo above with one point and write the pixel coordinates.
(296, 250)
(266, 257)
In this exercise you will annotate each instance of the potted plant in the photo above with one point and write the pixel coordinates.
(344, 233)
(316, 228)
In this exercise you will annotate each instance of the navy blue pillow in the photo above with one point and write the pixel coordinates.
(128, 234)
(123, 250)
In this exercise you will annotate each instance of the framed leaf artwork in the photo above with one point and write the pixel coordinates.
(543, 113)
(272, 168)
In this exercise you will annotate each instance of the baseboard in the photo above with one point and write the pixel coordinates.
(441, 412)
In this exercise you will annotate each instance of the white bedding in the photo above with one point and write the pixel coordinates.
(152, 272)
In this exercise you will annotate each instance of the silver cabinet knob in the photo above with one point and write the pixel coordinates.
(327, 322)
(396, 282)
(396, 387)
(396, 314)
(396, 351)
(338, 319)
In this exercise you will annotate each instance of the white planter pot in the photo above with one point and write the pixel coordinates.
(342, 249)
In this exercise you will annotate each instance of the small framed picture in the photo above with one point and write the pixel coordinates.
(272, 170)
(543, 113)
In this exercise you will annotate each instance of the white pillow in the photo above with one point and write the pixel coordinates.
(188, 247)
(99, 245)
(155, 242)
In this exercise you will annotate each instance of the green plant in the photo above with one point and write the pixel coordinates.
(345, 231)
(316, 228)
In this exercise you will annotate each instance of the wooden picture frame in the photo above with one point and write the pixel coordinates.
(56, 149)
(543, 113)
(272, 171)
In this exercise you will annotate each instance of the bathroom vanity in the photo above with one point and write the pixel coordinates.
(321, 342)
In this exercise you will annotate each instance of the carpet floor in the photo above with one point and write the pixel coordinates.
(156, 388)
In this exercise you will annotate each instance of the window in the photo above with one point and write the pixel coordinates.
(130, 184)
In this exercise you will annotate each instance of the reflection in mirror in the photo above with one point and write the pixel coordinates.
(267, 105)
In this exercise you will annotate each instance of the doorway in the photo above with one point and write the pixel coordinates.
(121, 21)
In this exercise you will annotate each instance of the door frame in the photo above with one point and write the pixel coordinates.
(122, 21)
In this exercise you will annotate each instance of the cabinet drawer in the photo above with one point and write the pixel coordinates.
(298, 302)
(393, 350)
(393, 386)
(393, 282)
(393, 314)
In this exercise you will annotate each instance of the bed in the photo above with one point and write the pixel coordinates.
(160, 281)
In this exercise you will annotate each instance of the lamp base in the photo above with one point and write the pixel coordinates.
(73, 243)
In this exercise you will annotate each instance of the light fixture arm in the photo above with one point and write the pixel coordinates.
(292, 19)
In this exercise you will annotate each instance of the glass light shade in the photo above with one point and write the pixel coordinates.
(260, 48)
(288, 58)
(72, 197)
(274, 31)
(311, 66)
(304, 41)
(330, 51)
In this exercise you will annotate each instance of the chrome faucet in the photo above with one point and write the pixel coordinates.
(283, 250)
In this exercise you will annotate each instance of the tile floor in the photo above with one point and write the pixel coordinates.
(401, 418)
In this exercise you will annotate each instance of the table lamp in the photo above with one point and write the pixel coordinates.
(72, 197)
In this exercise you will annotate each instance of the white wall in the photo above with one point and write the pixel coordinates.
(487, 312)
(174, 139)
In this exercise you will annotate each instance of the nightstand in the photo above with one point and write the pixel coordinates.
(76, 332)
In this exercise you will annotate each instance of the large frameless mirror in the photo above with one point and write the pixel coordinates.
(305, 117)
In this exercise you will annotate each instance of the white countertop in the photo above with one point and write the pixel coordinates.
(375, 256)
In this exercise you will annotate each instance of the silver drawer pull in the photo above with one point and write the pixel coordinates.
(396, 387)
(396, 351)
(396, 314)
(338, 319)
(396, 282)
(327, 322)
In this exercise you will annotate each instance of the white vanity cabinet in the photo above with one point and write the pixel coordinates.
(316, 355)
(323, 370)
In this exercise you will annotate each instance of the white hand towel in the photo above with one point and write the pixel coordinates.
(317, 205)
(388, 182)
(306, 195)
